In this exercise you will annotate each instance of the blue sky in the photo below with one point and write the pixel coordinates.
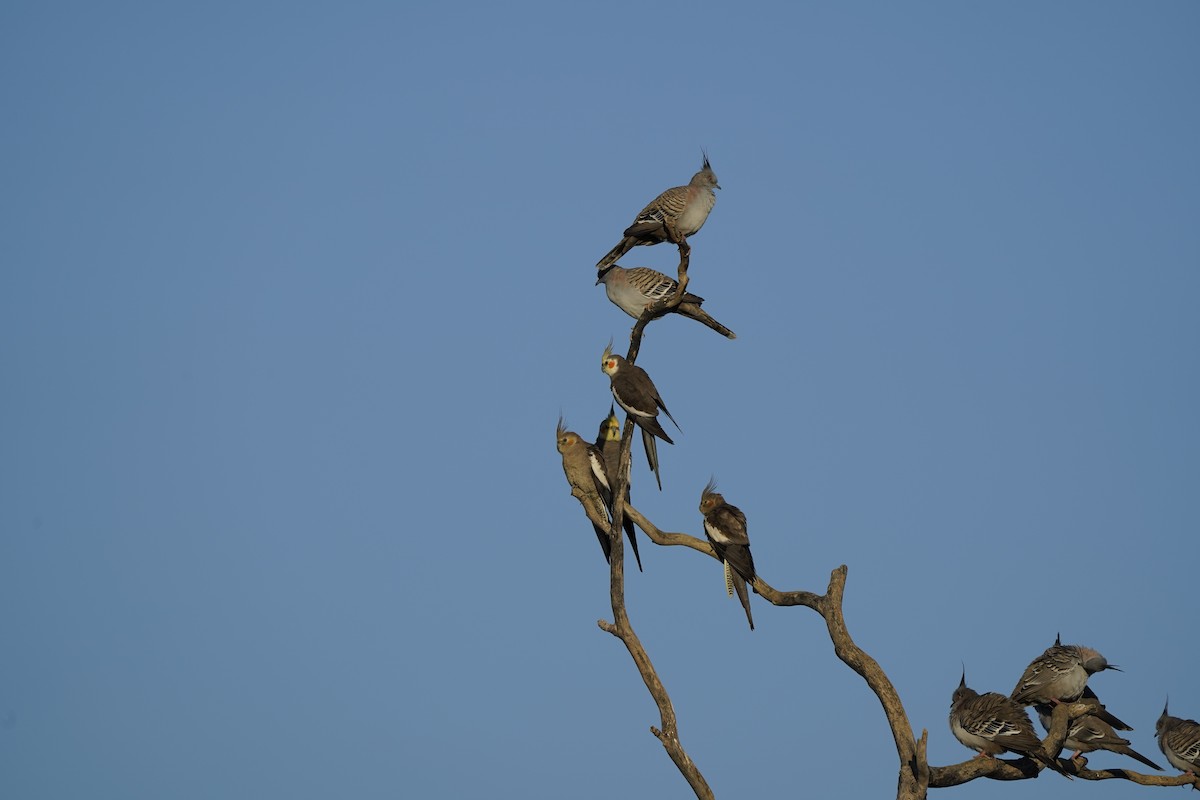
(293, 295)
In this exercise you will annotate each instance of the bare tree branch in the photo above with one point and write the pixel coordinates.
(622, 628)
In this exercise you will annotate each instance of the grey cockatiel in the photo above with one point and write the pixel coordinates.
(584, 468)
(725, 527)
(635, 392)
(608, 442)
(1090, 732)
(673, 216)
(1059, 674)
(632, 290)
(1179, 739)
(992, 723)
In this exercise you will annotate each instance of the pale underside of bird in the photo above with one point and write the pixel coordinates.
(725, 529)
(1179, 740)
(673, 216)
(993, 723)
(1059, 674)
(636, 393)
(634, 290)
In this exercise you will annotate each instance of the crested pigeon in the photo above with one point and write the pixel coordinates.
(992, 723)
(632, 290)
(1090, 732)
(608, 442)
(1179, 739)
(673, 216)
(635, 392)
(725, 528)
(1059, 674)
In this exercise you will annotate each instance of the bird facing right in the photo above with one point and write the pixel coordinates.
(673, 216)
(1059, 674)
(1179, 739)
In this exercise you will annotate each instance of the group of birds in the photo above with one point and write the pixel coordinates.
(592, 467)
(993, 723)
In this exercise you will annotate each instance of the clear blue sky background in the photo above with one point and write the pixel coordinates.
(293, 294)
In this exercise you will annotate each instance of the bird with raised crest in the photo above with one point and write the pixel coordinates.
(673, 216)
(583, 465)
(725, 528)
(636, 393)
(1060, 674)
(1179, 739)
(992, 723)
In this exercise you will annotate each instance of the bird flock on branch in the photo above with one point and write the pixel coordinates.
(994, 723)
(990, 723)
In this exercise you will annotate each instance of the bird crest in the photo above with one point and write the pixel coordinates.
(608, 361)
(708, 496)
(704, 154)
(560, 429)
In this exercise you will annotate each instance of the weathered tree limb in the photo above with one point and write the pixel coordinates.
(621, 627)
(661, 307)
(916, 775)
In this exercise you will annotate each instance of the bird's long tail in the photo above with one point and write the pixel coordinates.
(611, 256)
(700, 315)
(1129, 751)
(740, 586)
(651, 454)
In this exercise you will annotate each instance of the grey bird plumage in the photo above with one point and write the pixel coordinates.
(1179, 739)
(608, 442)
(1059, 674)
(636, 393)
(725, 528)
(1089, 732)
(992, 723)
(673, 216)
(632, 290)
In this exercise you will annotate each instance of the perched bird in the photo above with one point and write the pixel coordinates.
(725, 527)
(1099, 710)
(632, 290)
(671, 217)
(608, 442)
(635, 392)
(992, 723)
(1179, 739)
(584, 468)
(1059, 675)
(1089, 732)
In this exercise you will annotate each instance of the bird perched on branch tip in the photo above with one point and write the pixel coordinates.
(633, 290)
(673, 216)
